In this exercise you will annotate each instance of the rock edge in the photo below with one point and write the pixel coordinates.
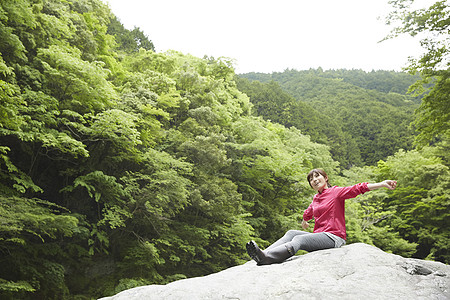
(355, 271)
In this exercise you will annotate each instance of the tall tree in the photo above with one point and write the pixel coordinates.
(432, 25)
(129, 41)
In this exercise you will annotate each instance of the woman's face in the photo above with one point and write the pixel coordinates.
(318, 182)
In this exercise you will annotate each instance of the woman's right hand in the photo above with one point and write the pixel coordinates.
(305, 224)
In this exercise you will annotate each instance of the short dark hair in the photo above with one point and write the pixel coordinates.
(316, 171)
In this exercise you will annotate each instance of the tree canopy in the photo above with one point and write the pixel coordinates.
(356, 122)
(432, 25)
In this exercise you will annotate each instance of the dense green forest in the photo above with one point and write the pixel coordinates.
(121, 166)
(362, 125)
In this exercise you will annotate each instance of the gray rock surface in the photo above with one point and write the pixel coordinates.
(356, 271)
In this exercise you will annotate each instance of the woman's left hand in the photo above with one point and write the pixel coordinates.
(390, 184)
(305, 224)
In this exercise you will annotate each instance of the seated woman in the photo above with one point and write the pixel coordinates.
(328, 210)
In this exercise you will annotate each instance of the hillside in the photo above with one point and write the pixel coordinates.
(380, 80)
(355, 104)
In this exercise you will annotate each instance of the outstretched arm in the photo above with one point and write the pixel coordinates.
(390, 184)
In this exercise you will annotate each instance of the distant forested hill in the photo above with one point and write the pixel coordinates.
(357, 113)
(382, 81)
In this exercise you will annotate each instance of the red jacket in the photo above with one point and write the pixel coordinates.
(328, 208)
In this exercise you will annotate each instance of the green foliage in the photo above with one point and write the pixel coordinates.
(366, 216)
(381, 81)
(357, 122)
(274, 104)
(421, 202)
(129, 41)
(129, 283)
(433, 116)
(79, 85)
(31, 233)
(431, 24)
(15, 287)
(13, 179)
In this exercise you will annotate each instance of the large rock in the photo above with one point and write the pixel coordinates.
(356, 271)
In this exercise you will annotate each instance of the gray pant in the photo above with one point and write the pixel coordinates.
(305, 241)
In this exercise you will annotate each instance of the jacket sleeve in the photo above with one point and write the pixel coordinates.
(308, 213)
(352, 191)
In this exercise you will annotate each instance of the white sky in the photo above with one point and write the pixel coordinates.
(271, 36)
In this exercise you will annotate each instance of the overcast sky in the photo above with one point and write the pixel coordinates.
(271, 36)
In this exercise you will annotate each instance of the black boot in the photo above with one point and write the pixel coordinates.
(275, 255)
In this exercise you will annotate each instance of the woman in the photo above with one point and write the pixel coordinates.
(328, 210)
